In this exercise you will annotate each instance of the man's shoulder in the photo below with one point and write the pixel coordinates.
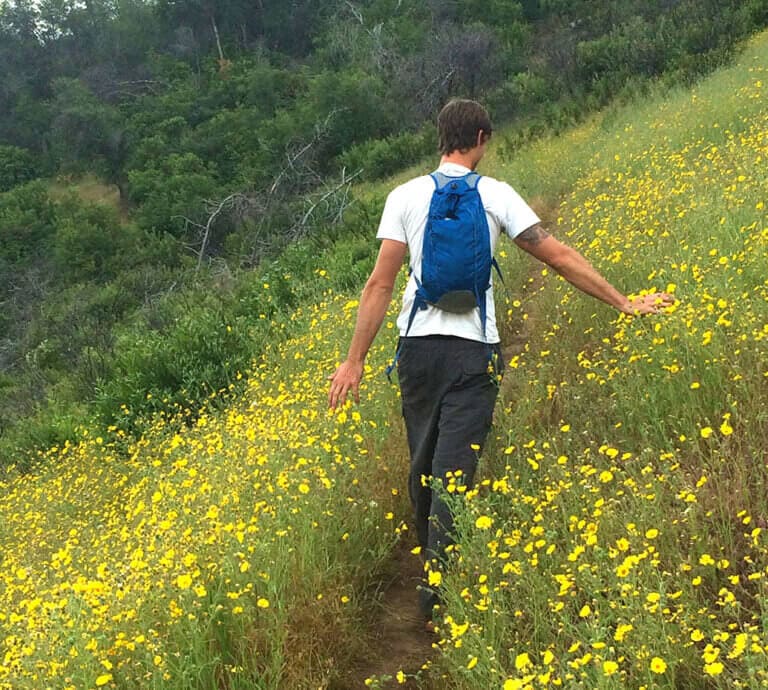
(414, 184)
(492, 184)
(414, 190)
(497, 192)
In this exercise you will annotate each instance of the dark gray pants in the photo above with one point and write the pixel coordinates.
(448, 396)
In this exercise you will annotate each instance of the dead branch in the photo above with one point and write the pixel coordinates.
(298, 179)
(297, 160)
(214, 209)
(342, 201)
(355, 11)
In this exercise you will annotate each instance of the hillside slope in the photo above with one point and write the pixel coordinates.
(617, 541)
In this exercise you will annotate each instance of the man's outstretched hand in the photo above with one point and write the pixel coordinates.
(345, 379)
(649, 304)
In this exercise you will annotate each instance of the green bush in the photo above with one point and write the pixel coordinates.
(199, 352)
(27, 222)
(170, 190)
(378, 158)
(47, 428)
(520, 95)
(17, 166)
(90, 243)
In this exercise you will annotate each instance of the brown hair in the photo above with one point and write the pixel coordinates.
(459, 123)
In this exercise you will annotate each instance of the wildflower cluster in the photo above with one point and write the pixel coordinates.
(208, 550)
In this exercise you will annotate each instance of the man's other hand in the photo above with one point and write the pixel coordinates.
(345, 379)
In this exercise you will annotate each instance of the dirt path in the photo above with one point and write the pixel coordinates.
(397, 638)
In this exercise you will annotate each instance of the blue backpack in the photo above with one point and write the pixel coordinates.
(456, 255)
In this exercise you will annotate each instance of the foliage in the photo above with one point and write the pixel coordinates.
(26, 222)
(85, 132)
(90, 244)
(17, 166)
(171, 190)
(380, 157)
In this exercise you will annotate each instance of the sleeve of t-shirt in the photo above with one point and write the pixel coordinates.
(391, 226)
(513, 213)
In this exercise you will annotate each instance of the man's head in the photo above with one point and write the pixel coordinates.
(462, 125)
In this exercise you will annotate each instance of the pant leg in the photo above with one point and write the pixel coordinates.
(448, 399)
(421, 386)
(466, 415)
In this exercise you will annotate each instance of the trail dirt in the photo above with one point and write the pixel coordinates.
(398, 640)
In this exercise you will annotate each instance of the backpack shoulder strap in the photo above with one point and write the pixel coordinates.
(472, 178)
(442, 180)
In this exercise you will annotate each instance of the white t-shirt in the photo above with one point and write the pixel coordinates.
(404, 219)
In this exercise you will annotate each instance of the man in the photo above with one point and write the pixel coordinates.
(448, 388)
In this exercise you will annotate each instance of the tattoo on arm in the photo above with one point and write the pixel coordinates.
(533, 235)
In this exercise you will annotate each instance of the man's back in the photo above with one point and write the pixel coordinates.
(404, 220)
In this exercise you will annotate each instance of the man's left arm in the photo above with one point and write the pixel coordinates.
(572, 266)
(374, 302)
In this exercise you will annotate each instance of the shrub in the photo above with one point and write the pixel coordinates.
(27, 222)
(17, 166)
(378, 158)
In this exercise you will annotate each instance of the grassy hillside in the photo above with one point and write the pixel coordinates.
(617, 540)
(212, 555)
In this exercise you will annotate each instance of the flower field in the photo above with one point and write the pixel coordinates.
(618, 537)
(210, 554)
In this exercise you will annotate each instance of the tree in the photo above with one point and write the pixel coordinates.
(170, 190)
(457, 60)
(212, 23)
(24, 66)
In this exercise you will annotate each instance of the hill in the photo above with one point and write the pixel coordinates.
(617, 538)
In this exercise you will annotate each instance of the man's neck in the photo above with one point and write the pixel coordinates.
(458, 158)
(469, 158)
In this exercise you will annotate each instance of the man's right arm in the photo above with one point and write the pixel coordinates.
(374, 302)
(572, 266)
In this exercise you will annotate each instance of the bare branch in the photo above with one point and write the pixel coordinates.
(344, 184)
(355, 11)
(214, 209)
(257, 209)
(218, 39)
